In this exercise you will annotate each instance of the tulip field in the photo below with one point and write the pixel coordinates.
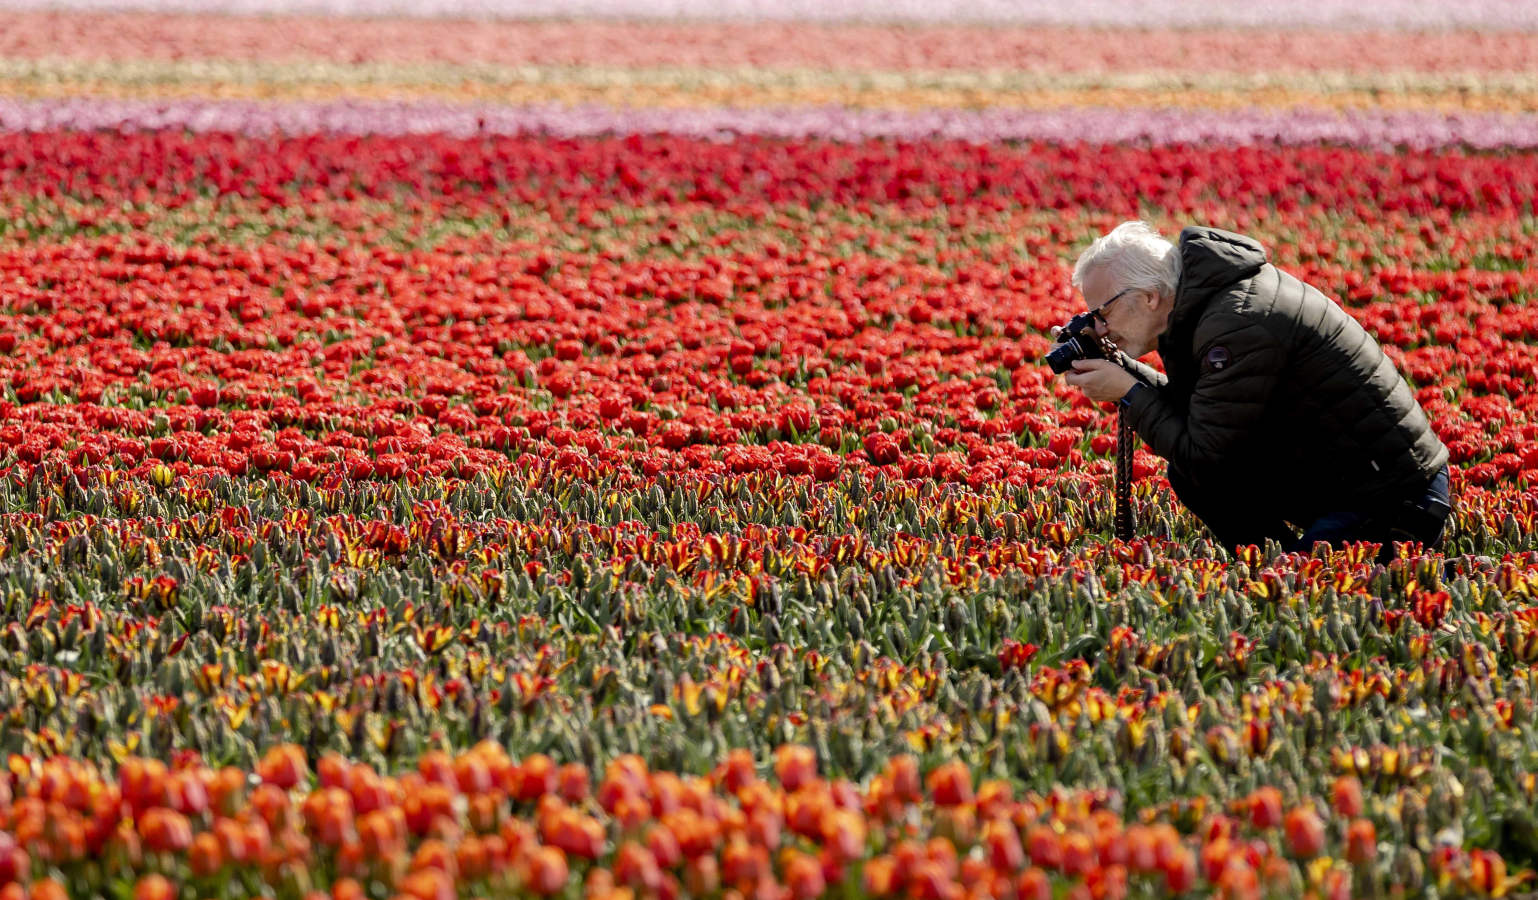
(612, 458)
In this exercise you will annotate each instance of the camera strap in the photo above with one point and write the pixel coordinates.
(1125, 443)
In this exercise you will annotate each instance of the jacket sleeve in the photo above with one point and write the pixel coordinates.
(1143, 372)
(1227, 400)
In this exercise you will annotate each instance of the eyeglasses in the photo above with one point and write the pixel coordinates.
(1099, 311)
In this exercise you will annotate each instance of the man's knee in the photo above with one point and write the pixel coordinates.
(1234, 515)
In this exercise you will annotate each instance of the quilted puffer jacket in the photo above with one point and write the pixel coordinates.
(1275, 395)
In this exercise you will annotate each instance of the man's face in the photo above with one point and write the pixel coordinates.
(1130, 318)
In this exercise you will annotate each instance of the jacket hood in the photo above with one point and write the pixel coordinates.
(1210, 261)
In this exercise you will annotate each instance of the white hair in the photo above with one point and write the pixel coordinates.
(1136, 257)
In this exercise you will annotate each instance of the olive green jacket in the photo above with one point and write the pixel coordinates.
(1274, 394)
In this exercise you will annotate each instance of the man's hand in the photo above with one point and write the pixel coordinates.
(1100, 379)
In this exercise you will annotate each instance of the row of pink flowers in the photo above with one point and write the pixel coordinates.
(1370, 129)
(777, 45)
(1469, 14)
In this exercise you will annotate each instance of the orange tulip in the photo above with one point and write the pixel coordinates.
(484, 811)
(48, 889)
(335, 825)
(351, 860)
(1215, 856)
(547, 871)
(378, 834)
(1110, 845)
(143, 783)
(843, 834)
(950, 784)
(975, 871)
(1239, 881)
(743, 864)
(930, 881)
(878, 877)
(1044, 847)
(1361, 841)
(1346, 796)
(1305, 833)
(635, 866)
(165, 830)
(472, 859)
(702, 876)
(1033, 884)
(535, 778)
(1005, 853)
(431, 854)
(1179, 870)
(67, 840)
(794, 765)
(334, 770)
(764, 827)
(1336, 885)
(226, 789)
(805, 808)
(994, 798)
(272, 804)
(1167, 843)
(284, 766)
(737, 771)
(572, 782)
(1487, 872)
(1079, 855)
(426, 804)
(206, 856)
(154, 887)
(1265, 807)
(1142, 849)
(904, 774)
(939, 850)
(1108, 883)
(428, 884)
(578, 834)
(665, 846)
(188, 792)
(437, 767)
(803, 876)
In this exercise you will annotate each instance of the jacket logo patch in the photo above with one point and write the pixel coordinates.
(1217, 359)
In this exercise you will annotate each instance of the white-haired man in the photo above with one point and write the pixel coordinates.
(1279, 415)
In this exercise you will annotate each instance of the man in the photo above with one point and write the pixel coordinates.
(1277, 408)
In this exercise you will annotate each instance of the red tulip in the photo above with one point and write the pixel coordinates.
(1305, 833)
(803, 876)
(284, 766)
(1361, 841)
(950, 784)
(1346, 796)
(154, 887)
(794, 765)
(547, 871)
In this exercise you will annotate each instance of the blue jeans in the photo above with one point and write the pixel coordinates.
(1422, 519)
(1236, 522)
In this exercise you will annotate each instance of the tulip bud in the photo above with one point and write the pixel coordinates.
(1305, 833)
(1361, 842)
(1409, 870)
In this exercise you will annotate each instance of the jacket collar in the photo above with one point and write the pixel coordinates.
(1211, 260)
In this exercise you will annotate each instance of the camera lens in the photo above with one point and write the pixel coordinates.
(1062, 356)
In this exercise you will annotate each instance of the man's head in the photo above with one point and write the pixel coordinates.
(1128, 277)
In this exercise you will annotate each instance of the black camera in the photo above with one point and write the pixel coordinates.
(1078, 340)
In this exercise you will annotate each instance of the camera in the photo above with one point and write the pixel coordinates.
(1077, 340)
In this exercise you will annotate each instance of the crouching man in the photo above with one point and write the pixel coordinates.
(1279, 415)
